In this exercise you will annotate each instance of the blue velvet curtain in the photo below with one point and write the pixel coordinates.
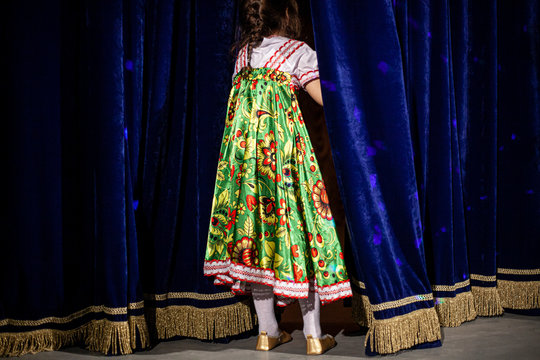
(69, 259)
(188, 67)
(439, 105)
(114, 116)
(114, 121)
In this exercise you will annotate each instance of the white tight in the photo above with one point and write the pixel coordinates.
(311, 310)
(263, 298)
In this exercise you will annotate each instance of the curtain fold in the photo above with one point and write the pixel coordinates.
(188, 67)
(478, 145)
(68, 246)
(518, 157)
(376, 169)
(115, 117)
(434, 105)
(438, 102)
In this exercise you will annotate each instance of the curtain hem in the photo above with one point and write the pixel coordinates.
(388, 336)
(361, 310)
(487, 301)
(522, 295)
(454, 311)
(203, 323)
(105, 336)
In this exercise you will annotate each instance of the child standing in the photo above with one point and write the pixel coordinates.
(271, 231)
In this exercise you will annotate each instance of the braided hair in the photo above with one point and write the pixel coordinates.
(260, 18)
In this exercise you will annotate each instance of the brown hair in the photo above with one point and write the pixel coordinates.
(260, 18)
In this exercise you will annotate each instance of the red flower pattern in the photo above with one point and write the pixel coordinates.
(320, 200)
(283, 212)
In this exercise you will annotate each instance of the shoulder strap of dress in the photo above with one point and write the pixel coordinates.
(241, 60)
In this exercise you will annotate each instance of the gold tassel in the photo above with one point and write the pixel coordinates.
(453, 311)
(388, 336)
(138, 325)
(361, 310)
(206, 324)
(487, 301)
(519, 294)
(31, 342)
(103, 336)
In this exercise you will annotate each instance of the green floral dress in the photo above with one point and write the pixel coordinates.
(271, 221)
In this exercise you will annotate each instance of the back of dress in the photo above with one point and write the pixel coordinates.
(271, 222)
(283, 54)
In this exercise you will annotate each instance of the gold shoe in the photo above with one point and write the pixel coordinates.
(317, 346)
(265, 342)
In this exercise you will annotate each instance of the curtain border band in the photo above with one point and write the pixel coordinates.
(105, 336)
(358, 283)
(66, 319)
(189, 295)
(450, 288)
(401, 302)
(484, 278)
(518, 271)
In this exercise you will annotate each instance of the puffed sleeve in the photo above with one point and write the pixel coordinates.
(307, 67)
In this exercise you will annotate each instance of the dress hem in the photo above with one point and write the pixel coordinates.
(237, 275)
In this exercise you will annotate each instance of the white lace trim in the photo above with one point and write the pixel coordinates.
(239, 277)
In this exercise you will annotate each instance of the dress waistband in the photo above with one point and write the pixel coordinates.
(267, 74)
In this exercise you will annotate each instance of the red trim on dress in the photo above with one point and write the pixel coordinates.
(233, 274)
(239, 65)
(309, 79)
(304, 74)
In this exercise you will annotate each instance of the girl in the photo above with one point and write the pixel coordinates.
(271, 231)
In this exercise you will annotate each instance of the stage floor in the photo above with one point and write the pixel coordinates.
(510, 336)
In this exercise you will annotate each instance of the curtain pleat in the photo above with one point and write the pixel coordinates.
(439, 103)
(115, 119)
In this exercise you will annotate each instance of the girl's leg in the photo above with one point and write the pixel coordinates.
(263, 298)
(311, 309)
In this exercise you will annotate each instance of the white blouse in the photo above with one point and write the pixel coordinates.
(284, 54)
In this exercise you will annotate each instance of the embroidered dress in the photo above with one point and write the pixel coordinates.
(271, 222)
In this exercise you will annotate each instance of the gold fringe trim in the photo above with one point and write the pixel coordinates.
(361, 310)
(519, 294)
(206, 324)
(105, 336)
(138, 326)
(388, 336)
(487, 301)
(453, 311)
